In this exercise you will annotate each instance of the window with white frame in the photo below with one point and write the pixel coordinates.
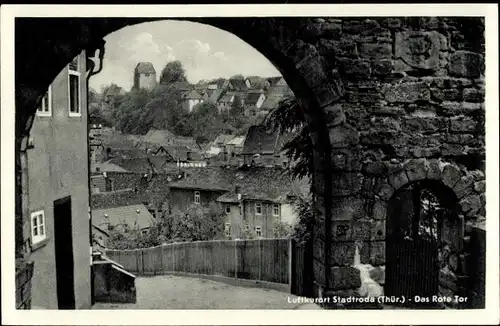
(197, 197)
(45, 108)
(258, 231)
(227, 229)
(228, 209)
(258, 208)
(74, 94)
(38, 227)
(276, 210)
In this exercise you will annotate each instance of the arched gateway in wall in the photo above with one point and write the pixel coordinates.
(388, 101)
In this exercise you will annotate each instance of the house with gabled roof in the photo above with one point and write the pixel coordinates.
(254, 99)
(255, 198)
(264, 147)
(256, 82)
(191, 99)
(237, 84)
(276, 81)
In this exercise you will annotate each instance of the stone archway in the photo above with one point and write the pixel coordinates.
(375, 93)
(438, 243)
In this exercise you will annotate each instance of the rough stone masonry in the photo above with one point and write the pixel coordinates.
(412, 109)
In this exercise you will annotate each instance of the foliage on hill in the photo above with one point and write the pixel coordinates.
(138, 111)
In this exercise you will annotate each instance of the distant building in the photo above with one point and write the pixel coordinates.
(145, 76)
(276, 81)
(234, 147)
(57, 178)
(265, 148)
(256, 82)
(191, 99)
(255, 198)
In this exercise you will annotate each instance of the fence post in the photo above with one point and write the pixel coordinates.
(161, 259)
(136, 254)
(235, 259)
(142, 261)
(260, 259)
(290, 265)
(172, 245)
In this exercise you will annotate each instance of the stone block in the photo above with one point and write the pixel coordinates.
(450, 109)
(327, 30)
(406, 92)
(344, 278)
(329, 93)
(374, 168)
(361, 230)
(433, 170)
(473, 95)
(392, 23)
(380, 210)
(463, 124)
(480, 186)
(416, 169)
(343, 136)
(377, 230)
(299, 50)
(462, 139)
(319, 249)
(449, 83)
(334, 115)
(348, 208)
(312, 70)
(382, 67)
(378, 274)
(319, 272)
(383, 189)
(377, 253)
(355, 68)
(342, 253)
(424, 125)
(419, 50)
(388, 124)
(345, 184)
(465, 64)
(471, 205)
(441, 95)
(398, 180)
(375, 51)
(448, 279)
(450, 175)
(452, 150)
(464, 187)
(341, 230)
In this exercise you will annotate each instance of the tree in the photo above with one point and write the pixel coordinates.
(238, 76)
(173, 72)
(281, 230)
(237, 107)
(198, 223)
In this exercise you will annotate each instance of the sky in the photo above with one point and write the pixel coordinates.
(206, 52)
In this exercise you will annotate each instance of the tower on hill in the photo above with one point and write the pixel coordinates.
(144, 76)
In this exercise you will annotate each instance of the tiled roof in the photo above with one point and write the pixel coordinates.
(216, 95)
(157, 136)
(141, 165)
(193, 95)
(274, 80)
(132, 215)
(252, 98)
(271, 102)
(112, 199)
(145, 68)
(223, 139)
(237, 141)
(226, 98)
(260, 140)
(256, 183)
(106, 167)
(238, 84)
(183, 86)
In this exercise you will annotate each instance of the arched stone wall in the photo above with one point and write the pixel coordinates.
(375, 93)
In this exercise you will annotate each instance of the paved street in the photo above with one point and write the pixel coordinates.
(173, 292)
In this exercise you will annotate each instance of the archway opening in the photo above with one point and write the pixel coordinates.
(423, 240)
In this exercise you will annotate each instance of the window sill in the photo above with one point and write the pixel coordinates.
(39, 244)
(75, 115)
(44, 115)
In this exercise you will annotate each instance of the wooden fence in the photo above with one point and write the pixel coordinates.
(263, 259)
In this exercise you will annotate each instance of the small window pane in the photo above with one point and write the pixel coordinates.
(35, 222)
(42, 230)
(74, 93)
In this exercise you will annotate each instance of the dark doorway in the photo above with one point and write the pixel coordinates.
(64, 253)
(414, 226)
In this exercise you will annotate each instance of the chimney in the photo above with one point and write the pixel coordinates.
(237, 190)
